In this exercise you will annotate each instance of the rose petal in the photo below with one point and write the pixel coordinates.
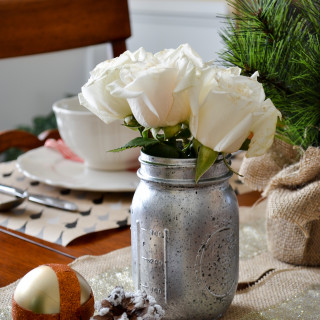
(263, 128)
(150, 97)
(219, 116)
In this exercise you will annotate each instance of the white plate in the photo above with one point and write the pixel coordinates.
(50, 167)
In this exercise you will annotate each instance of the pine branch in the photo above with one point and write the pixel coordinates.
(282, 43)
(310, 9)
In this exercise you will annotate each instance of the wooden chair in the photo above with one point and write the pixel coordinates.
(38, 26)
(30, 27)
(24, 140)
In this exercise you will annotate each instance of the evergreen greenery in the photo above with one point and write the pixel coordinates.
(39, 124)
(281, 40)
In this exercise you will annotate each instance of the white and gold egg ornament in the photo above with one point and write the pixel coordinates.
(52, 291)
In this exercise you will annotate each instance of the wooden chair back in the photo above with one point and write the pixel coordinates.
(24, 140)
(29, 27)
(37, 26)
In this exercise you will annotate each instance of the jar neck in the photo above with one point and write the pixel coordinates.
(180, 171)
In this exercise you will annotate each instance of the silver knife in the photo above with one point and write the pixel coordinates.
(21, 195)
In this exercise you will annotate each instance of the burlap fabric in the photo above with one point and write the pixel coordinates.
(293, 191)
(258, 171)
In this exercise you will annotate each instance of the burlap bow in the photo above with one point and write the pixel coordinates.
(294, 192)
(291, 183)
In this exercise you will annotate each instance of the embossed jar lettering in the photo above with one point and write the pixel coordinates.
(185, 238)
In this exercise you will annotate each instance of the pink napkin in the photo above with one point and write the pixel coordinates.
(61, 147)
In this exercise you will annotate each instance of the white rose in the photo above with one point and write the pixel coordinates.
(157, 90)
(183, 54)
(95, 94)
(227, 108)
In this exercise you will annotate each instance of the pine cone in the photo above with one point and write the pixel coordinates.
(128, 306)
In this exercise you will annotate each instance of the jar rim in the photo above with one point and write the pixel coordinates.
(172, 162)
(175, 171)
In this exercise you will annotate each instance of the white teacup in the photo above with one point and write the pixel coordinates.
(91, 139)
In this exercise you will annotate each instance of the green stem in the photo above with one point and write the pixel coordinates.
(228, 165)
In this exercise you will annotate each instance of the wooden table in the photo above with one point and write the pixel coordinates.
(20, 253)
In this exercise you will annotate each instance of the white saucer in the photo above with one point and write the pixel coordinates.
(50, 167)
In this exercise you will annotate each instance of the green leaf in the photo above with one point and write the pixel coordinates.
(136, 142)
(206, 158)
(163, 150)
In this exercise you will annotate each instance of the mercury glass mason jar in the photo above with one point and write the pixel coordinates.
(185, 237)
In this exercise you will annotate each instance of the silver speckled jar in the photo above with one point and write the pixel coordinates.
(185, 237)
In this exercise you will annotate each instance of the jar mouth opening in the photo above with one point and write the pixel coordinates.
(187, 162)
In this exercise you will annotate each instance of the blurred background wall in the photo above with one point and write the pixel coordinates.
(30, 85)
